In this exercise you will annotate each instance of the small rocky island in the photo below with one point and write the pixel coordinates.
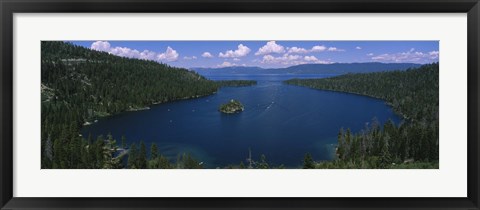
(231, 107)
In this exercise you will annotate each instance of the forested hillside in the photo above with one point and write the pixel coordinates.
(414, 95)
(80, 85)
(235, 83)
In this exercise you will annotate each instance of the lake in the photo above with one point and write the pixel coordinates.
(281, 121)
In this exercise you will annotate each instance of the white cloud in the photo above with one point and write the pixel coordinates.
(270, 47)
(409, 56)
(287, 59)
(240, 52)
(433, 54)
(169, 55)
(323, 62)
(358, 48)
(318, 48)
(370, 54)
(297, 50)
(190, 58)
(147, 55)
(101, 46)
(207, 55)
(125, 52)
(310, 58)
(236, 59)
(228, 64)
(268, 59)
(334, 49)
(313, 59)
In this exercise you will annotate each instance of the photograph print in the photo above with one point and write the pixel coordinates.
(239, 104)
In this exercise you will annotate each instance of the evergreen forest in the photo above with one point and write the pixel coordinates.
(80, 85)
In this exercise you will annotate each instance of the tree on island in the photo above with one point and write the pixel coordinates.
(231, 107)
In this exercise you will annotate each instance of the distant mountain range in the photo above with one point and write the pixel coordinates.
(335, 68)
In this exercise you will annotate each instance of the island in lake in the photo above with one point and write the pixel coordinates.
(231, 107)
(240, 105)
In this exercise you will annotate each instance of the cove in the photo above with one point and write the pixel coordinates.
(281, 121)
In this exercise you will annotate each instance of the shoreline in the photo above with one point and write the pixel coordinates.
(87, 123)
(403, 116)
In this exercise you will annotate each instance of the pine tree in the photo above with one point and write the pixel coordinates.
(341, 144)
(89, 140)
(58, 157)
(48, 151)
(308, 162)
(83, 155)
(132, 156)
(386, 158)
(153, 164)
(99, 144)
(164, 163)
(74, 152)
(111, 162)
(189, 162)
(241, 166)
(153, 151)
(348, 144)
(142, 156)
(263, 162)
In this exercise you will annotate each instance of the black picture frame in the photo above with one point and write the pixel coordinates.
(10, 7)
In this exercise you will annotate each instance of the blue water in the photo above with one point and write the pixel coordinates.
(281, 121)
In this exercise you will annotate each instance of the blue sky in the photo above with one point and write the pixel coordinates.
(269, 54)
